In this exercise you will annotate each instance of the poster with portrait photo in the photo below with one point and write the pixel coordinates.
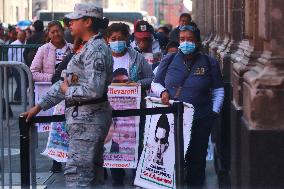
(156, 165)
(121, 144)
(58, 139)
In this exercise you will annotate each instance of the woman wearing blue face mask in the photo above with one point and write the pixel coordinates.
(126, 57)
(134, 63)
(193, 77)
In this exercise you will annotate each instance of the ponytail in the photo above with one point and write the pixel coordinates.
(98, 23)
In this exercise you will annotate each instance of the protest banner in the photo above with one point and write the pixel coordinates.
(57, 144)
(121, 144)
(41, 88)
(121, 148)
(156, 166)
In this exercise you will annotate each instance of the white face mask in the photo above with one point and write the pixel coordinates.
(161, 133)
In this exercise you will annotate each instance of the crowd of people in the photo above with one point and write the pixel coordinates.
(86, 54)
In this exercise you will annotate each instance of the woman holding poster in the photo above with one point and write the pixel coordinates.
(129, 66)
(192, 77)
(47, 58)
(138, 69)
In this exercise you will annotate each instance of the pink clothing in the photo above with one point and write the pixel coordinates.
(43, 65)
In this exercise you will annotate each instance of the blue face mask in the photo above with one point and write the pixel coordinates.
(117, 46)
(187, 47)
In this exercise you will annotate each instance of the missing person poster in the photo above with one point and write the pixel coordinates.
(57, 144)
(156, 166)
(121, 144)
(41, 88)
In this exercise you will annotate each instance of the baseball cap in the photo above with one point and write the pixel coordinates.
(143, 29)
(85, 9)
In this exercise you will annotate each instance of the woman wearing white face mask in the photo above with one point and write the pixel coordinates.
(193, 77)
(138, 69)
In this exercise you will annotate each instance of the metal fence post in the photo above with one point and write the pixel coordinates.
(7, 124)
(25, 152)
(2, 164)
(179, 144)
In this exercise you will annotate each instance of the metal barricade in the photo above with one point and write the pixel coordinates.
(16, 53)
(177, 109)
(27, 96)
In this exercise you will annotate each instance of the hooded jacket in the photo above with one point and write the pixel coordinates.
(140, 71)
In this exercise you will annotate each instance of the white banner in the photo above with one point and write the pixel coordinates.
(121, 144)
(41, 88)
(156, 165)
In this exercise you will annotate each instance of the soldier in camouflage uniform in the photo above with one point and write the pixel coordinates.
(85, 85)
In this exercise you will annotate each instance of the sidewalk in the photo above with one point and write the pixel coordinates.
(57, 180)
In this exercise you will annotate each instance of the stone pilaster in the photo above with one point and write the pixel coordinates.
(264, 83)
(248, 52)
(219, 27)
(242, 61)
(263, 104)
(224, 31)
(209, 25)
(199, 15)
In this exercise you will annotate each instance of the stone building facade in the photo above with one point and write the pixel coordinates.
(62, 5)
(12, 11)
(166, 11)
(246, 36)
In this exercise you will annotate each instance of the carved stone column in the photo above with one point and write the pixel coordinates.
(225, 18)
(209, 25)
(249, 50)
(199, 15)
(218, 27)
(240, 40)
(222, 144)
(234, 53)
(263, 103)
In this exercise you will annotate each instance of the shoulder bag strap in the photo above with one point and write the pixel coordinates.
(188, 71)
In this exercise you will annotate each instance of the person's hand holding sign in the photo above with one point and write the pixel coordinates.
(165, 98)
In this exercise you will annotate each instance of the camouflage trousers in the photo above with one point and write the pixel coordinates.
(84, 166)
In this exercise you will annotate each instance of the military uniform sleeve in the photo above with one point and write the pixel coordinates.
(109, 66)
(96, 77)
(53, 97)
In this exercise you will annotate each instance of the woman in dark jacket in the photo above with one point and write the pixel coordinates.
(192, 77)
